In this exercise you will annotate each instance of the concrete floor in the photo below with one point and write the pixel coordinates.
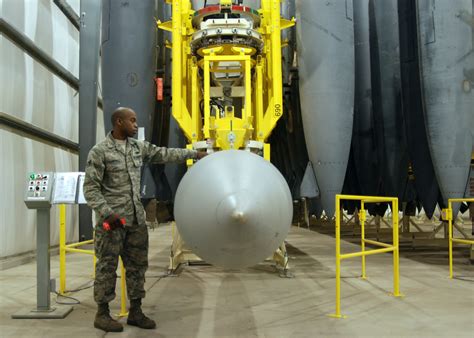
(205, 301)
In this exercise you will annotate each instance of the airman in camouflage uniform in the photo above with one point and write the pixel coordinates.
(112, 190)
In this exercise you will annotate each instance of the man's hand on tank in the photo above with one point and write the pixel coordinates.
(201, 154)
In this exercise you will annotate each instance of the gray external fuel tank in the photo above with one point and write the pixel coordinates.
(386, 95)
(447, 77)
(364, 141)
(288, 11)
(325, 40)
(426, 184)
(129, 59)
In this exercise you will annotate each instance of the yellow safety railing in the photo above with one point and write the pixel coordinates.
(123, 294)
(448, 215)
(385, 247)
(64, 248)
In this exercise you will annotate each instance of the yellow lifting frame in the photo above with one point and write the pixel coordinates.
(385, 247)
(448, 215)
(219, 127)
(263, 87)
(64, 248)
(267, 103)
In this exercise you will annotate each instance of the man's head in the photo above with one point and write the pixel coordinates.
(124, 122)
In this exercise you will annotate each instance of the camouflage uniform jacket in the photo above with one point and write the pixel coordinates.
(112, 180)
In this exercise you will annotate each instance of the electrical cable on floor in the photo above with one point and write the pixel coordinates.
(82, 288)
(76, 301)
(154, 283)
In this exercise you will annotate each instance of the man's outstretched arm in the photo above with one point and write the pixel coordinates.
(155, 154)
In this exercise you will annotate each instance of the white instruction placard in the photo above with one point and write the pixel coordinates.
(80, 191)
(65, 188)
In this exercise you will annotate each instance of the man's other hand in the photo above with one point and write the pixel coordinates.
(112, 219)
(112, 222)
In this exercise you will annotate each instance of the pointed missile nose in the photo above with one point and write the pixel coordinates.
(233, 209)
(238, 216)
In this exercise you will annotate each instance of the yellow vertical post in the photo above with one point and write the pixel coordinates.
(194, 102)
(362, 235)
(94, 258)
(94, 264)
(277, 90)
(177, 59)
(123, 293)
(338, 258)
(275, 109)
(207, 97)
(62, 249)
(248, 89)
(266, 151)
(396, 253)
(259, 102)
(450, 229)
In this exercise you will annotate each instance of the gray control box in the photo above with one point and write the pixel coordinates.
(39, 188)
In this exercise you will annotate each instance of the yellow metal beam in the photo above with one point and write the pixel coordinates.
(87, 252)
(377, 243)
(366, 253)
(195, 113)
(62, 251)
(123, 292)
(367, 199)
(284, 23)
(167, 25)
(273, 40)
(463, 241)
(207, 97)
(75, 245)
(248, 90)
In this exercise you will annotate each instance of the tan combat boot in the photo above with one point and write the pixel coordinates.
(136, 316)
(103, 320)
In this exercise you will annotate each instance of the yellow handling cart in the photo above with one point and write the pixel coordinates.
(226, 80)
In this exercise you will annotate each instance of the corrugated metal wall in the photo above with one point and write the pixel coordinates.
(32, 93)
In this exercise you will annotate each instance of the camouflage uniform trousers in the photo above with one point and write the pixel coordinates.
(131, 244)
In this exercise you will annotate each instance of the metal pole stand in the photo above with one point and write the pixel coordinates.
(43, 308)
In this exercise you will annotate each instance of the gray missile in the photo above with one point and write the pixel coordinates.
(426, 185)
(128, 59)
(386, 95)
(325, 42)
(233, 208)
(364, 141)
(447, 68)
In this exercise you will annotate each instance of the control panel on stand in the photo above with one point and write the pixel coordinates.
(39, 189)
(42, 189)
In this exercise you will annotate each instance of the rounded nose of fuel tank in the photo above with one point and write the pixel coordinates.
(233, 209)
